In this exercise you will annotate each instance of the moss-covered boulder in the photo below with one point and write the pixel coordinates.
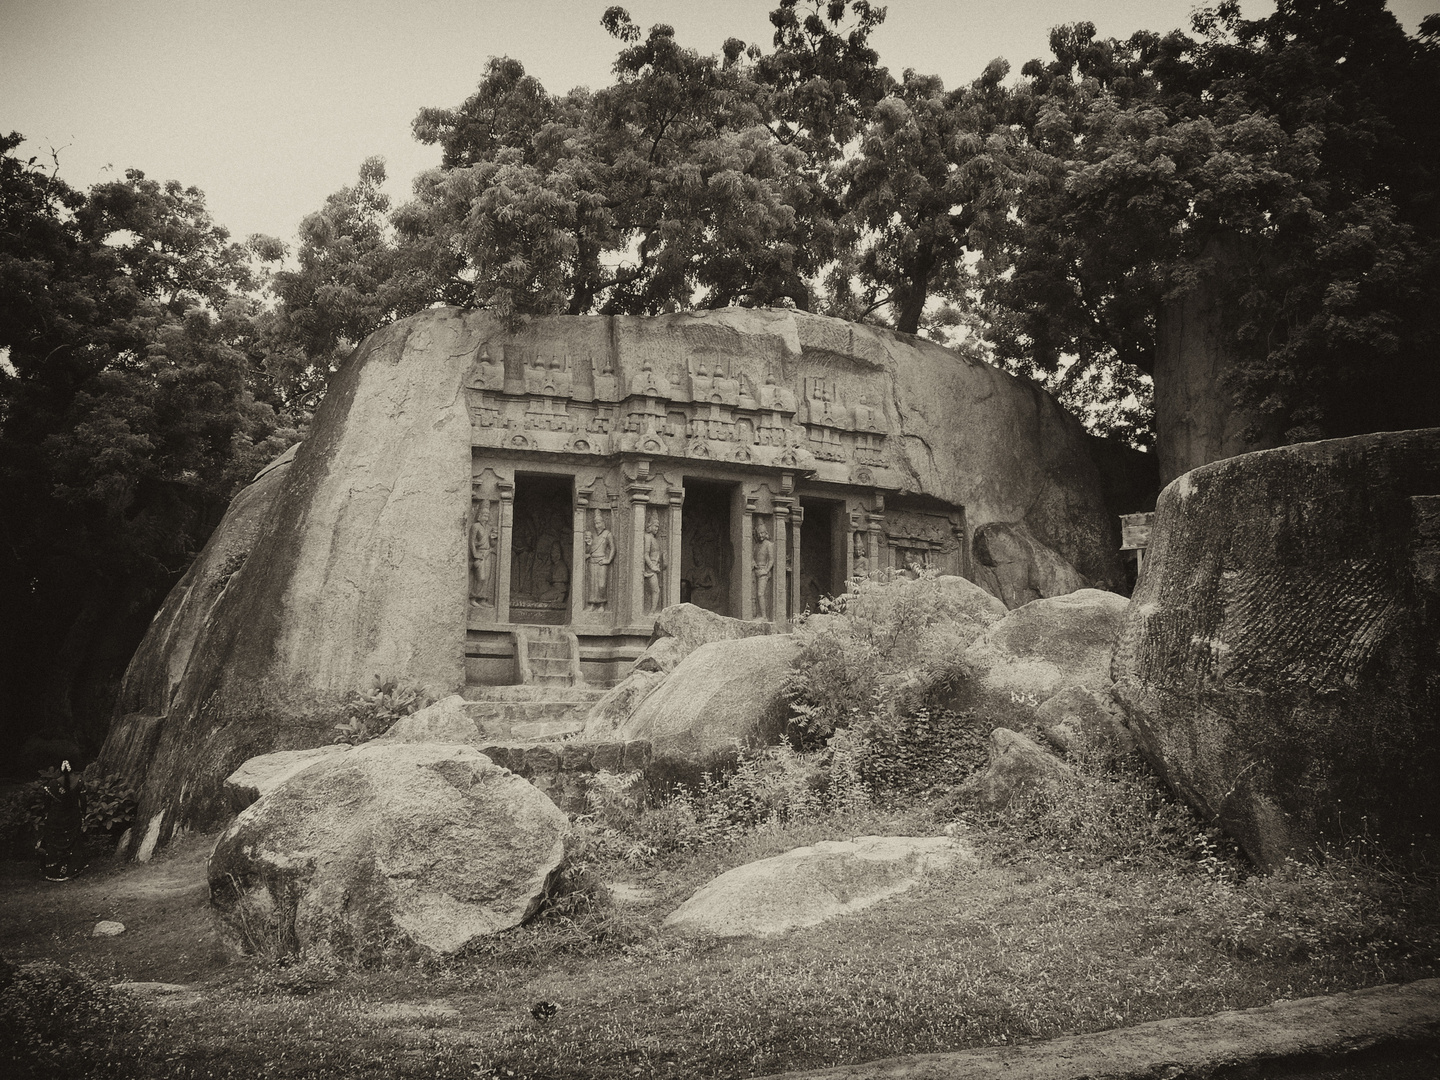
(1279, 659)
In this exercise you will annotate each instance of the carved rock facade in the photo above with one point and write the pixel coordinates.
(476, 508)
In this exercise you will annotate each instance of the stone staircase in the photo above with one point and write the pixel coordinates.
(547, 656)
(530, 727)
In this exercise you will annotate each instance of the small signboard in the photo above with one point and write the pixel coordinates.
(1135, 530)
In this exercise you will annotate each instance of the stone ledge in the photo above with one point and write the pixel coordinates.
(1309, 1032)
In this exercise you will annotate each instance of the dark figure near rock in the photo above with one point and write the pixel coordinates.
(64, 817)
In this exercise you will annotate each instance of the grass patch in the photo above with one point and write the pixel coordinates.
(1103, 904)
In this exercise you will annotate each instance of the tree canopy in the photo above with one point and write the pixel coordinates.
(132, 405)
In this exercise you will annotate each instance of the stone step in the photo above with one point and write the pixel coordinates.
(532, 692)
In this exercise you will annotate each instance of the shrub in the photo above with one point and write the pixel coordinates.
(110, 810)
(887, 643)
(1097, 816)
(110, 805)
(918, 752)
(372, 712)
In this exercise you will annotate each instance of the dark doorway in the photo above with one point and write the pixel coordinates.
(540, 571)
(821, 573)
(706, 550)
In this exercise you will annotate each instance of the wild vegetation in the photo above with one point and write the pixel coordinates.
(1103, 905)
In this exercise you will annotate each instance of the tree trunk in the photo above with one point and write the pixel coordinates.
(1196, 353)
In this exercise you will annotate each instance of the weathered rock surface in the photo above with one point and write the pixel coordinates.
(445, 721)
(1338, 1035)
(1279, 662)
(1038, 650)
(262, 774)
(679, 631)
(1079, 720)
(389, 842)
(1018, 568)
(183, 622)
(351, 561)
(809, 885)
(723, 696)
(1018, 767)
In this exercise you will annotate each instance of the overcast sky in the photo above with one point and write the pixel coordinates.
(270, 105)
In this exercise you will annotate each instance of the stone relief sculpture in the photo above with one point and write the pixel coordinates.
(600, 553)
(556, 587)
(483, 537)
(862, 554)
(654, 566)
(764, 570)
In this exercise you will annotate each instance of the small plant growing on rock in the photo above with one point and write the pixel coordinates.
(372, 712)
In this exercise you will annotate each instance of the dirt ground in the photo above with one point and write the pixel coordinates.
(169, 933)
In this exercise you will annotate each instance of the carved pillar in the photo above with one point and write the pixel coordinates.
(639, 500)
(797, 517)
(502, 563)
(577, 558)
(747, 560)
(785, 526)
(672, 561)
(876, 521)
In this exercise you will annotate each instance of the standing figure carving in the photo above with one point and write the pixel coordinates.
(601, 553)
(654, 565)
(764, 570)
(483, 537)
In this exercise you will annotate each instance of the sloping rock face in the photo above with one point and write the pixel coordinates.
(352, 562)
(387, 843)
(1279, 660)
(723, 696)
(1037, 651)
(1018, 568)
(811, 885)
(679, 631)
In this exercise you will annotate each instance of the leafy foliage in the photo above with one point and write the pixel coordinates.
(132, 405)
(372, 712)
(873, 651)
(1274, 168)
(110, 804)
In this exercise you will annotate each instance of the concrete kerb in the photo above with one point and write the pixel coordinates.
(1276, 1036)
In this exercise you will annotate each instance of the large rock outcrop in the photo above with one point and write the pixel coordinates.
(1279, 659)
(386, 845)
(1037, 651)
(351, 561)
(724, 696)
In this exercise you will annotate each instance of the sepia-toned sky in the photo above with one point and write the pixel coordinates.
(270, 105)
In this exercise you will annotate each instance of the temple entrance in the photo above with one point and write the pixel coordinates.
(706, 549)
(540, 571)
(821, 539)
